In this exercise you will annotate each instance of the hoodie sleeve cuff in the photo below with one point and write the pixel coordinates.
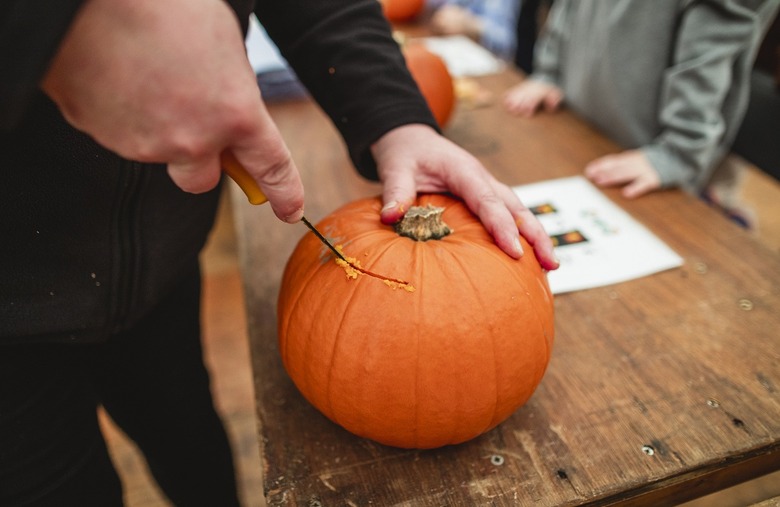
(671, 168)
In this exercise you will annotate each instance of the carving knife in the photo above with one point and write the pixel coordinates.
(233, 168)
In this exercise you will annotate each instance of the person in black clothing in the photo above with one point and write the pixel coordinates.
(113, 114)
(527, 31)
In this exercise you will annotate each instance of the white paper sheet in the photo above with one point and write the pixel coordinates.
(463, 56)
(263, 54)
(598, 243)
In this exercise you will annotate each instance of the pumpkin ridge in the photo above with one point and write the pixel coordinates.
(483, 307)
(319, 262)
(536, 314)
(361, 235)
(551, 338)
(313, 273)
(495, 252)
(346, 307)
(343, 232)
(295, 300)
(420, 314)
(354, 234)
(522, 282)
(529, 300)
(494, 418)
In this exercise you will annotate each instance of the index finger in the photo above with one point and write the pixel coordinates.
(266, 158)
(529, 227)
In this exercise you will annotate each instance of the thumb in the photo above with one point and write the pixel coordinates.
(400, 192)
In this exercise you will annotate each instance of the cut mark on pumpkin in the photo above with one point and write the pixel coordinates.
(420, 224)
(352, 267)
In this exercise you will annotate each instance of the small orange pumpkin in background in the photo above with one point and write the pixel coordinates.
(434, 80)
(398, 11)
(437, 362)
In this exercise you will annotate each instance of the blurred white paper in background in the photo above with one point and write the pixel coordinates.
(597, 242)
(463, 56)
(263, 54)
(275, 77)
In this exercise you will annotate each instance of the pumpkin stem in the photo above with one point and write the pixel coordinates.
(423, 223)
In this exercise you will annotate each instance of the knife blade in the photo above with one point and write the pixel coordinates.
(238, 173)
(233, 168)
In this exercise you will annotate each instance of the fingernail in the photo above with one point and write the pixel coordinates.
(390, 205)
(518, 246)
(295, 217)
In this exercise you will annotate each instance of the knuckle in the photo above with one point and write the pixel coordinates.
(489, 200)
(277, 165)
(142, 149)
(242, 122)
(188, 147)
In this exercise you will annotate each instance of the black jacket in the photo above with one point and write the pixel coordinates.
(90, 242)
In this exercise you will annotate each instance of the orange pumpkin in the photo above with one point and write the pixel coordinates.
(399, 11)
(433, 79)
(437, 362)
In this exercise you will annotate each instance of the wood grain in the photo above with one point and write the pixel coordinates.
(660, 389)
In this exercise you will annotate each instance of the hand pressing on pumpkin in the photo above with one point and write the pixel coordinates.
(630, 169)
(170, 82)
(415, 158)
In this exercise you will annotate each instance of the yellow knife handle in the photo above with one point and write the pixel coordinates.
(233, 168)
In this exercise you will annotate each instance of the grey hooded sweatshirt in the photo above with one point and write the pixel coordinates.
(669, 77)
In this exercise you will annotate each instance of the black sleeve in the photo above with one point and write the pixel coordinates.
(30, 32)
(344, 53)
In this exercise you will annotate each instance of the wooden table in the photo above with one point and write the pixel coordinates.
(659, 390)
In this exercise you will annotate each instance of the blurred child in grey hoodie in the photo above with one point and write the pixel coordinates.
(666, 79)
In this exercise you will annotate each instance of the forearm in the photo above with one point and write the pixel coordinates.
(343, 51)
(705, 91)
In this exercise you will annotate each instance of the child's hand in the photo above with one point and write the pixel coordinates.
(630, 168)
(527, 97)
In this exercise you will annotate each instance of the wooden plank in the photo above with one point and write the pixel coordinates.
(700, 482)
(770, 502)
(659, 388)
